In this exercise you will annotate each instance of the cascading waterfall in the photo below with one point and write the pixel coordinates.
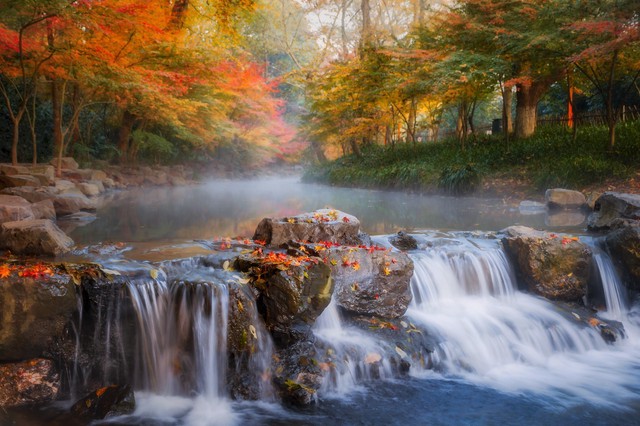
(183, 334)
(492, 334)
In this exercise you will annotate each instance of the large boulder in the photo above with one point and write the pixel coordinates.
(48, 171)
(614, 210)
(554, 266)
(63, 185)
(35, 237)
(559, 198)
(18, 180)
(44, 210)
(70, 203)
(89, 189)
(65, 163)
(292, 291)
(624, 246)
(37, 303)
(13, 208)
(30, 382)
(371, 281)
(11, 170)
(32, 194)
(322, 225)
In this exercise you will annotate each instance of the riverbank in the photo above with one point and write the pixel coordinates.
(489, 167)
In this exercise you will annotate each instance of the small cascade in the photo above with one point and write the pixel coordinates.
(182, 337)
(614, 292)
(352, 351)
(466, 294)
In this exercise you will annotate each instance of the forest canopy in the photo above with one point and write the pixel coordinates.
(263, 81)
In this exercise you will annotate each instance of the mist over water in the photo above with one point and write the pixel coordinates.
(234, 208)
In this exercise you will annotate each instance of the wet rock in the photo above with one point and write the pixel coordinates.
(35, 311)
(614, 210)
(624, 246)
(18, 180)
(65, 163)
(559, 199)
(554, 266)
(109, 401)
(44, 210)
(72, 203)
(29, 382)
(36, 237)
(403, 241)
(298, 374)
(247, 342)
(322, 225)
(13, 208)
(290, 290)
(43, 179)
(177, 181)
(371, 281)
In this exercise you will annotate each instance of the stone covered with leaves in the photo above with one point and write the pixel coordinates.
(322, 225)
(371, 280)
(554, 266)
(291, 290)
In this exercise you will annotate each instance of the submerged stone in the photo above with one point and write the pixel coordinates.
(109, 401)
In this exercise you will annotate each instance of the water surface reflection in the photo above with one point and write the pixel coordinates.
(234, 208)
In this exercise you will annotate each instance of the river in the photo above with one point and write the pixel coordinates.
(506, 358)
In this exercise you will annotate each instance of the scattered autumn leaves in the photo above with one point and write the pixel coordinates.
(36, 271)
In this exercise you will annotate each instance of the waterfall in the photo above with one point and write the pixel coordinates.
(352, 350)
(466, 294)
(182, 337)
(614, 292)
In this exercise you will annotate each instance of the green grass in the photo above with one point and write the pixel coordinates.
(548, 159)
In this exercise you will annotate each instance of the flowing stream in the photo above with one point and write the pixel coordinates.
(501, 356)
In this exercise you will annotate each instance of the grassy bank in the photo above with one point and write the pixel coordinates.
(548, 159)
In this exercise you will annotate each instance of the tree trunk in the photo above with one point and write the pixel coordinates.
(317, 149)
(355, 148)
(57, 89)
(411, 121)
(124, 135)
(14, 142)
(365, 35)
(526, 110)
(507, 116)
(178, 14)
